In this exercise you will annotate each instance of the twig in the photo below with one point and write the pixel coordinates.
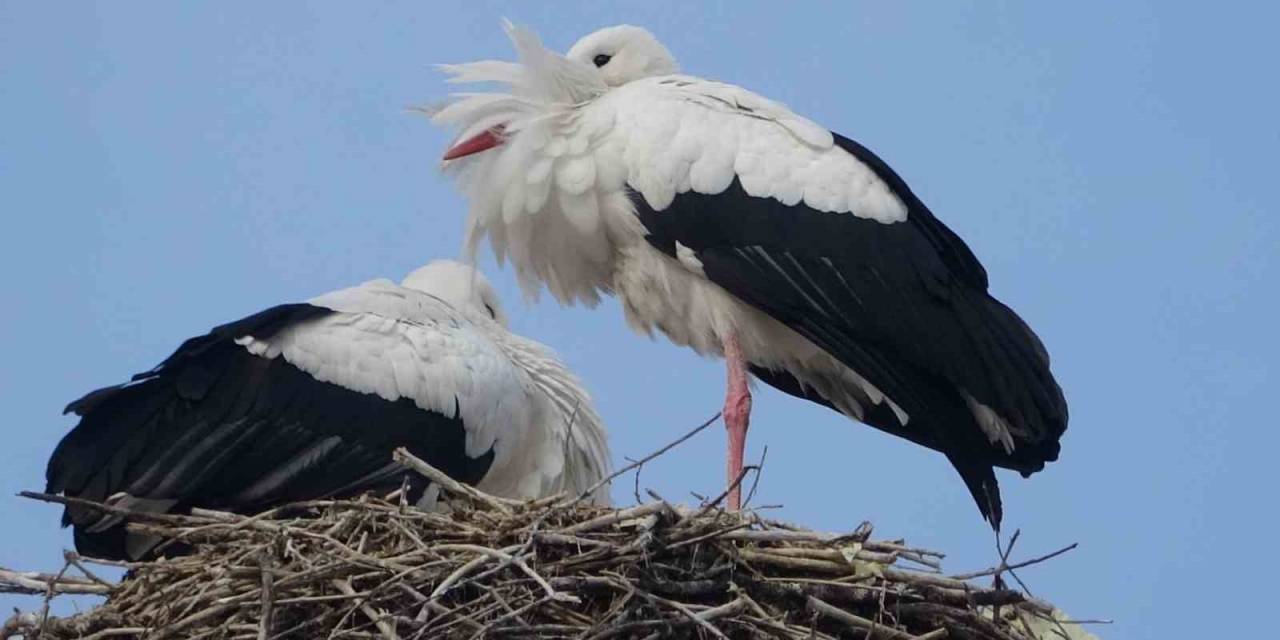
(48, 597)
(685, 611)
(39, 583)
(109, 509)
(74, 558)
(737, 482)
(854, 621)
(515, 560)
(635, 485)
(119, 631)
(1017, 565)
(611, 477)
(463, 570)
(388, 632)
(267, 600)
(510, 615)
(616, 517)
(755, 480)
(403, 457)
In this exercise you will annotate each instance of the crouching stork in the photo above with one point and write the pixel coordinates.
(307, 401)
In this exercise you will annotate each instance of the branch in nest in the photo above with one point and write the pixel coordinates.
(31, 583)
(410, 461)
(640, 463)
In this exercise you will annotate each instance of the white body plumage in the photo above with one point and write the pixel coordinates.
(742, 229)
(553, 199)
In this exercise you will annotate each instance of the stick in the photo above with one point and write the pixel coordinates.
(683, 610)
(268, 580)
(113, 510)
(1017, 565)
(856, 622)
(511, 559)
(403, 457)
(755, 480)
(616, 517)
(737, 482)
(388, 632)
(40, 583)
(641, 461)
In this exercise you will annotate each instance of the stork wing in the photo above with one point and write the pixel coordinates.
(903, 303)
(297, 402)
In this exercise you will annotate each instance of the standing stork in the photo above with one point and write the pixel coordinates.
(308, 401)
(741, 229)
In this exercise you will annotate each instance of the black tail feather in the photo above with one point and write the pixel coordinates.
(980, 478)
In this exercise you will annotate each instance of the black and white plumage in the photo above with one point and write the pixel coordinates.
(740, 228)
(306, 401)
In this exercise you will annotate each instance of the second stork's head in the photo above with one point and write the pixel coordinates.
(460, 285)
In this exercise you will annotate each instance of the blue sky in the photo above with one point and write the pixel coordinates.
(165, 168)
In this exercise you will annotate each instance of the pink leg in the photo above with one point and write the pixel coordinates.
(737, 413)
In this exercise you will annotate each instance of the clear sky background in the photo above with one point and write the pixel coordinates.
(164, 169)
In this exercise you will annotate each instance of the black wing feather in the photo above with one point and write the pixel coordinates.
(217, 427)
(903, 304)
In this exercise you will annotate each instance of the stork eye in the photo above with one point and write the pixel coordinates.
(601, 60)
(492, 314)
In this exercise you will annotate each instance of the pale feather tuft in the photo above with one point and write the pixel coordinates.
(545, 165)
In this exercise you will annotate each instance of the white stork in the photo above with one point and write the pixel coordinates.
(739, 228)
(306, 401)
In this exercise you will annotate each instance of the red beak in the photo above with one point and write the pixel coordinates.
(487, 139)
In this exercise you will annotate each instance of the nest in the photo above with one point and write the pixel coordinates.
(553, 568)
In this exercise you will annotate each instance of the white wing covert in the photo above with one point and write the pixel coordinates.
(399, 343)
(514, 395)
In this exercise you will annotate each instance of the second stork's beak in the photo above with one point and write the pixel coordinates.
(486, 139)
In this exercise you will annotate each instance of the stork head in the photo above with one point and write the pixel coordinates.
(458, 284)
(624, 53)
(608, 58)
